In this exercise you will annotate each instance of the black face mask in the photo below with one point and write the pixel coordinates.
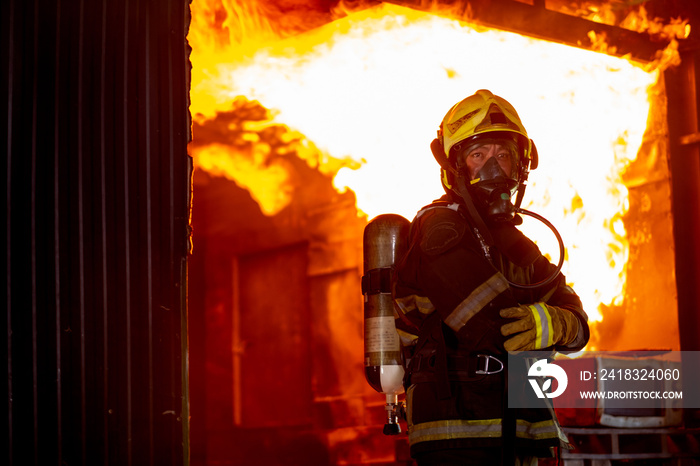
(493, 192)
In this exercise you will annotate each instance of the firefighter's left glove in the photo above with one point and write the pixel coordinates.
(538, 326)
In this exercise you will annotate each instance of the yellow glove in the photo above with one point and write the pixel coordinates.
(538, 326)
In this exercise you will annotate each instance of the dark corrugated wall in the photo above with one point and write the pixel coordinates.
(683, 92)
(94, 125)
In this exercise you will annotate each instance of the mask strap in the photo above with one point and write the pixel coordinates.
(471, 208)
(520, 194)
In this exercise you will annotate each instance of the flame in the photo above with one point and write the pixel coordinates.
(626, 15)
(370, 89)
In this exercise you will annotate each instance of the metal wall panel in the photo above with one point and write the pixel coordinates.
(684, 134)
(94, 128)
(683, 92)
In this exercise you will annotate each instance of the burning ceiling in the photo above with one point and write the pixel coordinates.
(357, 92)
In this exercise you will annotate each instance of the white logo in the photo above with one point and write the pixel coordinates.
(551, 371)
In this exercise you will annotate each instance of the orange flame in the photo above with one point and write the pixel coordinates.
(625, 15)
(371, 88)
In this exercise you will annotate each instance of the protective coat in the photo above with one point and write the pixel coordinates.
(449, 289)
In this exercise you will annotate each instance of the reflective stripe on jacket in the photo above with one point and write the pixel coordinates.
(481, 428)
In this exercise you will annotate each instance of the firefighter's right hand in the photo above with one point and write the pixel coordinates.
(538, 326)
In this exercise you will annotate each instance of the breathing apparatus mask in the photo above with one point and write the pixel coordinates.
(491, 187)
(494, 190)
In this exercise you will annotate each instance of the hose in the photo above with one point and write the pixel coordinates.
(555, 273)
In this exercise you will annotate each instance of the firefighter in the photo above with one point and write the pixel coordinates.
(460, 307)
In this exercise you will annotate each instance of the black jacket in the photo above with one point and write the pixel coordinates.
(450, 289)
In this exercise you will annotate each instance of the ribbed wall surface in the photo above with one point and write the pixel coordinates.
(94, 125)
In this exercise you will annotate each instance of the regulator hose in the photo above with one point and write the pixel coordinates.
(555, 273)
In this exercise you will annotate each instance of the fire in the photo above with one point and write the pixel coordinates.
(627, 16)
(361, 98)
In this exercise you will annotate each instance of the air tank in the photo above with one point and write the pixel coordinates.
(384, 243)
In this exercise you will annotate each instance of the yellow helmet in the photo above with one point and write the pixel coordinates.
(484, 115)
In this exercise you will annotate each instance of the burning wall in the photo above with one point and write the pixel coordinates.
(306, 128)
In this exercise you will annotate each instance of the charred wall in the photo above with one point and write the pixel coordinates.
(276, 332)
(94, 126)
